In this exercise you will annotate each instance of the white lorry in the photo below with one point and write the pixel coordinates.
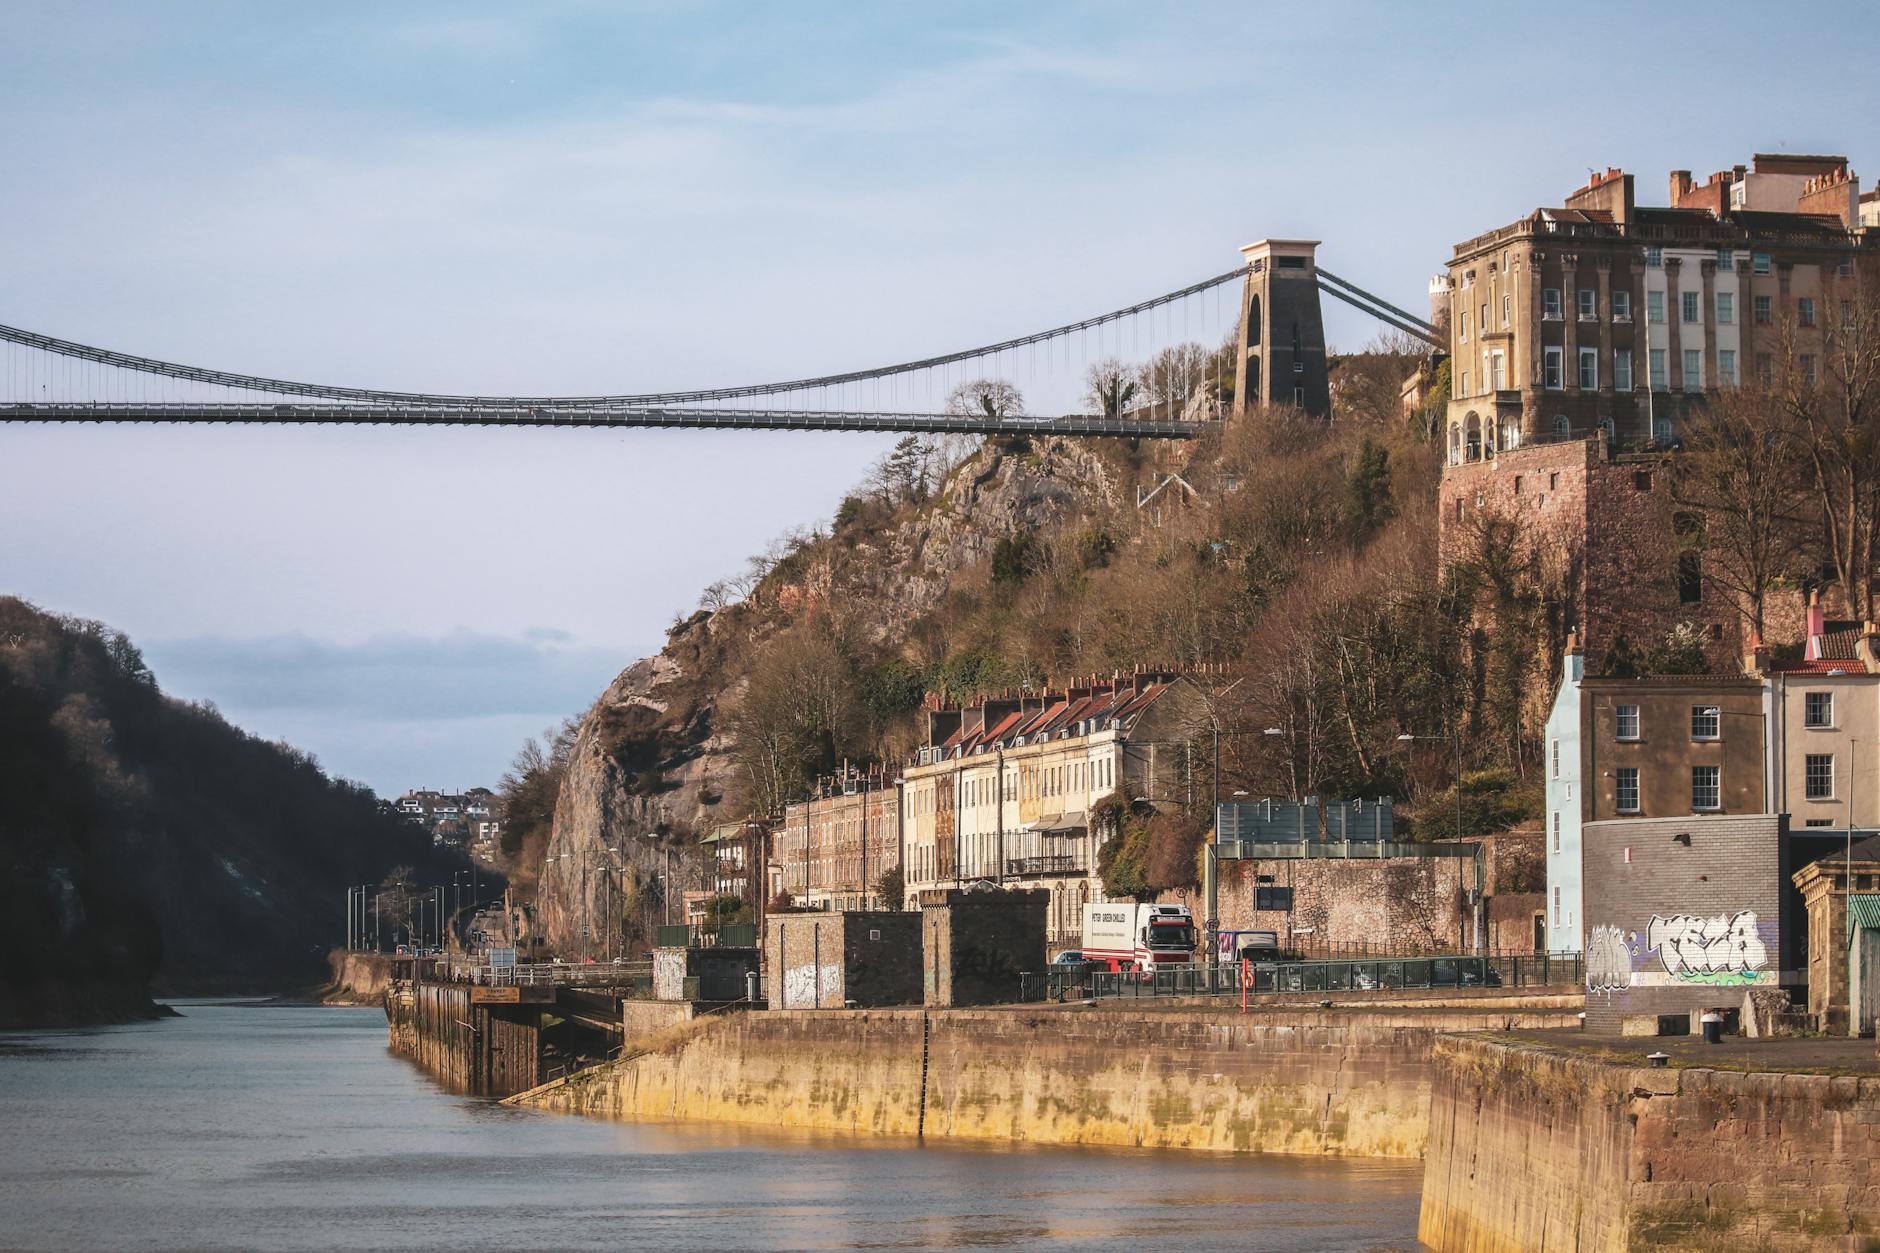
(1126, 936)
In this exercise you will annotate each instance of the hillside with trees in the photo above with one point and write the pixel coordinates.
(1298, 558)
(147, 844)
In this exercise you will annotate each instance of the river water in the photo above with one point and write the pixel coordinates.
(243, 1127)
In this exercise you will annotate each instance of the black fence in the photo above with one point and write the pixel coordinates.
(1374, 975)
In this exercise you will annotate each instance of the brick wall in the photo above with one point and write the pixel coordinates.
(825, 960)
(1682, 914)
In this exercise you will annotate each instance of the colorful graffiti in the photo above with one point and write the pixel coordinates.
(1724, 949)
(1608, 960)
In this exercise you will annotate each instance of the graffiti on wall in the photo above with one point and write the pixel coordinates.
(1608, 960)
(1724, 948)
(804, 986)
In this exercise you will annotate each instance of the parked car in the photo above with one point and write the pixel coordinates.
(1069, 957)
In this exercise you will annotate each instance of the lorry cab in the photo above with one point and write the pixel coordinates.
(1121, 936)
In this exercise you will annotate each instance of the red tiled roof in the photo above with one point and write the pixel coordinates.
(1824, 665)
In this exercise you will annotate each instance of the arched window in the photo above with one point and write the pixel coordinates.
(1455, 443)
(1563, 429)
(1661, 430)
(1473, 430)
(1607, 429)
(1253, 321)
(1253, 376)
(1510, 433)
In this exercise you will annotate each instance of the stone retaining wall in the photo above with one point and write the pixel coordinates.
(1293, 1081)
(1533, 1148)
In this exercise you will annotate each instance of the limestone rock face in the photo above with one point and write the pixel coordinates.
(652, 751)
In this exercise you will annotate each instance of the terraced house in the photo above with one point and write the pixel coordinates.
(1007, 791)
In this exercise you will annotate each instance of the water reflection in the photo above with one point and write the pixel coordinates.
(293, 1128)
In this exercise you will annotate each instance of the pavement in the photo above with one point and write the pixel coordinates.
(1808, 1054)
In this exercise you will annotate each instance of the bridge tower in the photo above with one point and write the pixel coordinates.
(1282, 333)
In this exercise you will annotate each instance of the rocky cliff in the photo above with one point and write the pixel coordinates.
(653, 754)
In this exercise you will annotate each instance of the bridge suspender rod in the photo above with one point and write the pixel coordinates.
(1385, 318)
(1427, 328)
(288, 387)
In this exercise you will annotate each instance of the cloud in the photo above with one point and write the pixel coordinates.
(541, 674)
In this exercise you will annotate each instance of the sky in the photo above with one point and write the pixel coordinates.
(566, 198)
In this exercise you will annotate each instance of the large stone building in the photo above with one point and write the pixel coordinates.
(1005, 791)
(1605, 316)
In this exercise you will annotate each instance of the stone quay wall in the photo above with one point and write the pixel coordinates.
(1282, 1081)
(1544, 1149)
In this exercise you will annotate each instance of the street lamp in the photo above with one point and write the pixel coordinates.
(1475, 919)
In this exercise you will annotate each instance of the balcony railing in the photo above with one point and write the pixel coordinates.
(1050, 864)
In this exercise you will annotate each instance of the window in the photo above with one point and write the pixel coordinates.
(1622, 369)
(1761, 310)
(1726, 308)
(1273, 898)
(1818, 709)
(1765, 369)
(1465, 326)
(1550, 303)
(1626, 789)
(1726, 258)
(1726, 367)
(1553, 479)
(1589, 369)
(1563, 429)
(1589, 305)
(1805, 311)
(1507, 307)
(1654, 307)
(1706, 722)
(1760, 262)
(1465, 382)
(1641, 480)
(1844, 268)
(1484, 318)
(1818, 776)
(1693, 369)
(1552, 368)
(1706, 787)
(1659, 380)
(1654, 257)
(1687, 302)
(1556, 758)
(1626, 721)
(1299, 396)
(1819, 822)
(1556, 831)
(1808, 369)
(1622, 306)
(1499, 363)
(1661, 430)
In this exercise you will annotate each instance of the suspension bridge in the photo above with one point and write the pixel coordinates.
(1163, 368)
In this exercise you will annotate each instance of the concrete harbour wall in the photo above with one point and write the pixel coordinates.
(1284, 1081)
(1540, 1149)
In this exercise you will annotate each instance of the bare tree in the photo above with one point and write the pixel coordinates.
(1833, 400)
(1734, 493)
(985, 398)
(789, 723)
(1174, 377)
(1110, 387)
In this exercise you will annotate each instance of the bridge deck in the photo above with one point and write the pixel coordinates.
(696, 419)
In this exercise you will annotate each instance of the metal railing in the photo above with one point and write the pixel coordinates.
(548, 974)
(1368, 975)
(1047, 864)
